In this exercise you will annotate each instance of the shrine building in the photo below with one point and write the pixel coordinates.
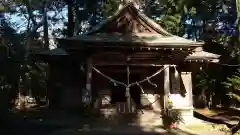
(126, 64)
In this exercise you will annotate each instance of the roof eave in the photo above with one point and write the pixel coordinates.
(132, 43)
(203, 60)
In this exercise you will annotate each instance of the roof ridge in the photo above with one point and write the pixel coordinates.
(110, 18)
(152, 23)
(148, 21)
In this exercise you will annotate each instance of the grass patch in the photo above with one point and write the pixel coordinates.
(207, 112)
(210, 127)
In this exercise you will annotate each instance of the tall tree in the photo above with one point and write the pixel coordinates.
(45, 25)
(238, 20)
(70, 25)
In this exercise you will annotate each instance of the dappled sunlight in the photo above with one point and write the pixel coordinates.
(149, 118)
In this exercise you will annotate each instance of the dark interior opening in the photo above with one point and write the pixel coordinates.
(118, 91)
(135, 91)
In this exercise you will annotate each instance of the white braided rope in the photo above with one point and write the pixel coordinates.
(148, 78)
(132, 84)
(140, 87)
(135, 83)
(109, 78)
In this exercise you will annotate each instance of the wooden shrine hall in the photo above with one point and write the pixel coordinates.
(129, 59)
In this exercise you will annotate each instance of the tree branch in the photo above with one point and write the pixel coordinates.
(29, 11)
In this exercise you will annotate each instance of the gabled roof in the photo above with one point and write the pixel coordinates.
(130, 26)
(129, 19)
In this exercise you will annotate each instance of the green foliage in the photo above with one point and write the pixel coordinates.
(171, 116)
(15, 70)
(171, 23)
(171, 18)
(233, 84)
(110, 7)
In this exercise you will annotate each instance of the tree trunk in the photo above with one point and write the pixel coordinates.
(238, 24)
(45, 26)
(201, 100)
(70, 20)
(237, 127)
(238, 19)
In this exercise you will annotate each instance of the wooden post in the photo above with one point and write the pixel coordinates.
(179, 100)
(128, 96)
(181, 96)
(166, 85)
(187, 82)
(89, 79)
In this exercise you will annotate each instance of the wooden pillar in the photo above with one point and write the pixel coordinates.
(51, 81)
(88, 94)
(166, 85)
(187, 82)
(187, 112)
(128, 96)
(181, 94)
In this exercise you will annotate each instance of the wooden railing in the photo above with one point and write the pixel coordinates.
(124, 108)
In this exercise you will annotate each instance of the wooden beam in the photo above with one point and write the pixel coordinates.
(81, 45)
(121, 64)
(146, 62)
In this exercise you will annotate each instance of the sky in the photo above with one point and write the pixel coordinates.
(19, 23)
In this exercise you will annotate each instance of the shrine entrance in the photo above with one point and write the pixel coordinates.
(118, 91)
(135, 91)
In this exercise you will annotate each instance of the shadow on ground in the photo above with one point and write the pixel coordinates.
(229, 117)
(62, 123)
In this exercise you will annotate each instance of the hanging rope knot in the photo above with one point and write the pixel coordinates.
(149, 81)
(140, 87)
(127, 94)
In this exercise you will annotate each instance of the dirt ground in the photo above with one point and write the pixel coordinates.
(62, 123)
